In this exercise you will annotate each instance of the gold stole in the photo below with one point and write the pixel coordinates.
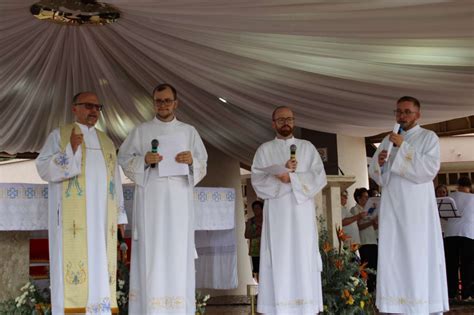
(75, 269)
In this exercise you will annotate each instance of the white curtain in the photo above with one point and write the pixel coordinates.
(340, 65)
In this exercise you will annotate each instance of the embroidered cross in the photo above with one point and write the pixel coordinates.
(74, 228)
(113, 231)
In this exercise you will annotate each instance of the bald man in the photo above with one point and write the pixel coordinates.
(85, 206)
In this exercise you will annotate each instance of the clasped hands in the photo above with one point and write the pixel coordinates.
(184, 157)
(291, 165)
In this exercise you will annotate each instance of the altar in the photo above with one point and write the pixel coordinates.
(23, 208)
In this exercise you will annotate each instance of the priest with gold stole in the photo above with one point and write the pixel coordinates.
(85, 208)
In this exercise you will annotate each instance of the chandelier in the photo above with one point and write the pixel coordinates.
(75, 12)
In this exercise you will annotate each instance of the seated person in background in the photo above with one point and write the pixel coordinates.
(253, 232)
(349, 221)
(442, 191)
(459, 243)
(368, 236)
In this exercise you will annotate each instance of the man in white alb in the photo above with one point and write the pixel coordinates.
(162, 277)
(85, 205)
(290, 263)
(411, 274)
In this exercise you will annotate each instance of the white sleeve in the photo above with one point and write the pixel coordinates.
(56, 166)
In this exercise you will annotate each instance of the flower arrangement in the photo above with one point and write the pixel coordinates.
(201, 302)
(31, 301)
(344, 279)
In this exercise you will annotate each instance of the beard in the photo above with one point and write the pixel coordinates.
(285, 130)
(406, 125)
(164, 115)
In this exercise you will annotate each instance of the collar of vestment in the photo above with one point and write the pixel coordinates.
(86, 129)
(288, 141)
(165, 123)
(411, 131)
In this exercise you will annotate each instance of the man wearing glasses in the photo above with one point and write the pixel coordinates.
(85, 206)
(290, 264)
(411, 276)
(162, 278)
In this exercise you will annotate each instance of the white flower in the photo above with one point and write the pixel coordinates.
(355, 281)
(25, 287)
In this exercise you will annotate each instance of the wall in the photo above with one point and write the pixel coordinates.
(352, 161)
(457, 149)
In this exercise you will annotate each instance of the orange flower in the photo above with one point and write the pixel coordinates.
(354, 247)
(347, 296)
(338, 264)
(327, 247)
(362, 272)
(341, 235)
(345, 293)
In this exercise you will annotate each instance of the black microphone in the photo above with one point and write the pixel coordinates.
(399, 132)
(154, 149)
(293, 152)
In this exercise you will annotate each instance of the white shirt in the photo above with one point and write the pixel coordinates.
(368, 235)
(463, 226)
(351, 229)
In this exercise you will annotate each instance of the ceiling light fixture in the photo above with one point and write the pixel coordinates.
(75, 12)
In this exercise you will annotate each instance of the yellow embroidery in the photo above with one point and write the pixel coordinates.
(305, 188)
(75, 275)
(401, 301)
(167, 302)
(75, 228)
(132, 295)
(295, 302)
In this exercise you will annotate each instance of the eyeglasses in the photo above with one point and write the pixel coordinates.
(407, 112)
(90, 106)
(281, 121)
(166, 101)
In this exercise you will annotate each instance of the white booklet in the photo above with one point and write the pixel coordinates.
(169, 147)
(274, 169)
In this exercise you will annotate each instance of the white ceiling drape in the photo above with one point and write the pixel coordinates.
(340, 65)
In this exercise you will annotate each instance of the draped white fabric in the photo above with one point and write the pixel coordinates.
(340, 64)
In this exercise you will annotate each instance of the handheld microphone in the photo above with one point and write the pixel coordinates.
(154, 149)
(400, 129)
(397, 129)
(293, 152)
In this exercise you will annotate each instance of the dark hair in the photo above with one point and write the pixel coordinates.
(277, 109)
(257, 202)
(441, 186)
(359, 192)
(75, 98)
(373, 192)
(164, 86)
(464, 181)
(409, 99)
